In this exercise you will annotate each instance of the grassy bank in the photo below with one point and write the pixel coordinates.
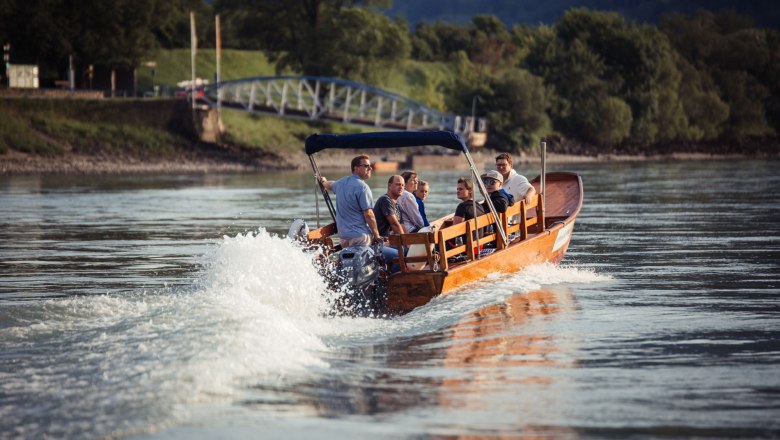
(53, 127)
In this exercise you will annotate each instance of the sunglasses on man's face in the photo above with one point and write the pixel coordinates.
(489, 181)
(365, 165)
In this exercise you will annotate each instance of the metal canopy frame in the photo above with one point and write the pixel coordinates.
(445, 139)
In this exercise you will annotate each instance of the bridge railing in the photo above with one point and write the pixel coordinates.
(321, 98)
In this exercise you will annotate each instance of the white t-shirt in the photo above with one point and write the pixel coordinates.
(516, 185)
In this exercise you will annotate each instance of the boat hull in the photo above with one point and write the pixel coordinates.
(409, 290)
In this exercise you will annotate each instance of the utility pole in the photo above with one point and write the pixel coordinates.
(71, 74)
(472, 126)
(219, 58)
(193, 50)
(7, 61)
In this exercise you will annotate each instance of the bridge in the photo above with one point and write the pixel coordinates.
(330, 99)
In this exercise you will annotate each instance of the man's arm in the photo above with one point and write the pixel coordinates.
(529, 195)
(327, 184)
(368, 214)
(395, 225)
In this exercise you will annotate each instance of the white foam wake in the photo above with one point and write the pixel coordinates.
(123, 360)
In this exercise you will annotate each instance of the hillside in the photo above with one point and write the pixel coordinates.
(763, 12)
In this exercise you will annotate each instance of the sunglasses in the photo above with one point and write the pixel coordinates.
(365, 165)
(489, 181)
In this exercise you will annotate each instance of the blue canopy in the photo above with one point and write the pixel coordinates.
(388, 139)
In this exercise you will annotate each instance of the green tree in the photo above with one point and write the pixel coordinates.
(741, 61)
(321, 37)
(439, 41)
(597, 62)
(514, 102)
(705, 110)
(115, 33)
(363, 45)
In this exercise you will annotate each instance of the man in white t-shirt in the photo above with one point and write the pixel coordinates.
(515, 184)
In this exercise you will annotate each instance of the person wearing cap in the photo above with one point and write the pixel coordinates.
(493, 181)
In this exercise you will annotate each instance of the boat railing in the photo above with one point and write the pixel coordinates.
(475, 234)
(426, 239)
(472, 243)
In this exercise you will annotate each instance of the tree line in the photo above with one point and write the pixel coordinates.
(594, 77)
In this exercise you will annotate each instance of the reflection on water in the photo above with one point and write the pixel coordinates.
(484, 372)
(502, 336)
(508, 346)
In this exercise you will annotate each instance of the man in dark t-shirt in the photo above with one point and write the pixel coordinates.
(386, 209)
(465, 210)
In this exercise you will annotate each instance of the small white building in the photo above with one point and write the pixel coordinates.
(23, 76)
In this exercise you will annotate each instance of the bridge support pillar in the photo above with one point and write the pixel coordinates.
(207, 123)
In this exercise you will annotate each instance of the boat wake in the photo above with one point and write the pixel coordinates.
(130, 362)
(135, 362)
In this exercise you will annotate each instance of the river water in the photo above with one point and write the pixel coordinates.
(169, 307)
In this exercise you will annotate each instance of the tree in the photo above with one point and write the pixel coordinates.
(517, 110)
(321, 37)
(439, 41)
(741, 62)
(112, 33)
(597, 62)
(514, 102)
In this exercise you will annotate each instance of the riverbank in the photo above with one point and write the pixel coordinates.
(55, 136)
(229, 160)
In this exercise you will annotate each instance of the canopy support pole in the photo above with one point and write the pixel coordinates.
(543, 181)
(324, 192)
(485, 194)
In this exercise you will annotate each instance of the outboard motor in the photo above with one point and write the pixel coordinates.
(359, 268)
(298, 230)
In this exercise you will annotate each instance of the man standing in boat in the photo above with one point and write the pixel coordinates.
(514, 184)
(354, 205)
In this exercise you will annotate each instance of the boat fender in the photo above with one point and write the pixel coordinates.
(299, 230)
(418, 250)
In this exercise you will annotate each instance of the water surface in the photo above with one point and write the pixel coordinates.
(168, 307)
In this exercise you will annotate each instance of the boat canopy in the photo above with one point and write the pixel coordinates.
(385, 139)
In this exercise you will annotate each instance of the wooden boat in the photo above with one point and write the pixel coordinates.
(491, 243)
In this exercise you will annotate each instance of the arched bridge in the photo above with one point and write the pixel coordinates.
(332, 99)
